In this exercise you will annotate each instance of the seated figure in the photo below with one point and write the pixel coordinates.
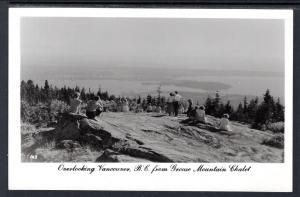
(94, 108)
(199, 114)
(75, 103)
(224, 123)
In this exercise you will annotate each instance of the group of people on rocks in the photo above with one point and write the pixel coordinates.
(195, 113)
(173, 103)
(93, 108)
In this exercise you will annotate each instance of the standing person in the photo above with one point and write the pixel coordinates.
(176, 103)
(75, 103)
(119, 105)
(94, 108)
(190, 108)
(170, 106)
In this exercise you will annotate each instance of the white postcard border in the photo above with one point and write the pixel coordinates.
(275, 177)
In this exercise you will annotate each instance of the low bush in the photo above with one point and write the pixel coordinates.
(275, 141)
(42, 113)
(57, 106)
(27, 128)
(277, 127)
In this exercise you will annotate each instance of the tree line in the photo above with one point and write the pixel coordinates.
(252, 112)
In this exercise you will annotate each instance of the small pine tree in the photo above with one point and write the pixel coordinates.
(279, 112)
(139, 100)
(149, 99)
(30, 92)
(252, 109)
(83, 95)
(220, 110)
(216, 104)
(209, 106)
(265, 111)
(239, 113)
(228, 108)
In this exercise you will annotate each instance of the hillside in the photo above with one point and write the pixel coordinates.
(144, 137)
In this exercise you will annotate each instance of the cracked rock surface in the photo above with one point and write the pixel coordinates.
(145, 137)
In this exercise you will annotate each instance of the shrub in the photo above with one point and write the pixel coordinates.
(33, 113)
(26, 112)
(57, 106)
(275, 141)
(27, 128)
(277, 127)
(42, 113)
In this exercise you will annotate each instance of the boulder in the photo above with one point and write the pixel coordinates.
(68, 126)
(145, 153)
(92, 140)
(112, 156)
(108, 156)
(78, 127)
(94, 127)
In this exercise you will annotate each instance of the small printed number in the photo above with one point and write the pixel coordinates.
(33, 156)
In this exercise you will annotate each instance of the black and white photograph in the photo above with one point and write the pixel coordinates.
(153, 89)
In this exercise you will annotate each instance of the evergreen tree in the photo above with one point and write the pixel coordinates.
(209, 106)
(37, 96)
(245, 110)
(252, 109)
(139, 100)
(220, 110)
(83, 95)
(149, 99)
(30, 92)
(228, 109)
(216, 105)
(46, 90)
(23, 90)
(144, 104)
(77, 89)
(112, 97)
(239, 113)
(265, 111)
(162, 101)
(279, 112)
(245, 106)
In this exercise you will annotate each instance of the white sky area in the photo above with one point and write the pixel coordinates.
(229, 44)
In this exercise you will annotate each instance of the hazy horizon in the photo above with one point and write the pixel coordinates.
(134, 55)
(215, 44)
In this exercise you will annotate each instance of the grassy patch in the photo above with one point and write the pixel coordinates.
(276, 141)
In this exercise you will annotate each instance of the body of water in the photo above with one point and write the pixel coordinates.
(136, 81)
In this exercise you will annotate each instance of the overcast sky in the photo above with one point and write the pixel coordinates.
(233, 44)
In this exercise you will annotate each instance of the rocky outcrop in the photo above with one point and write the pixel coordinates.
(68, 126)
(143, 137)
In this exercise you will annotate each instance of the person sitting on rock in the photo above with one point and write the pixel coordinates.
(149, 108)
(75, 103)
(158, 109)
(125, 107)
(94, 108)
(199, 114)
(224, 123)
